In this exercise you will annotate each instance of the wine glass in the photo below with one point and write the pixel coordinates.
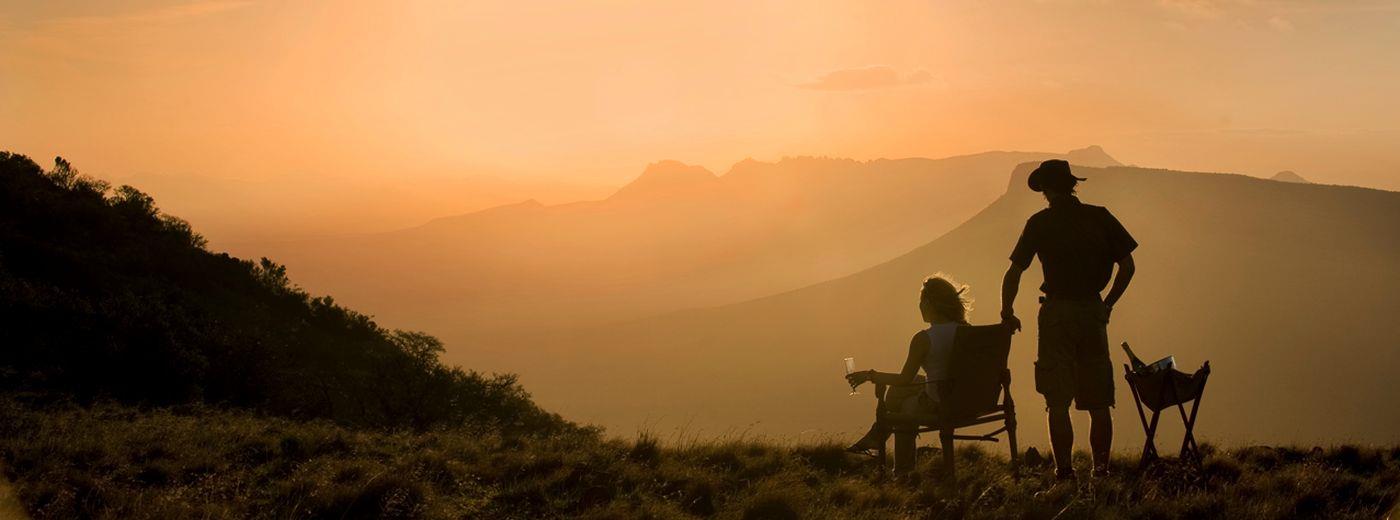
(851, 369)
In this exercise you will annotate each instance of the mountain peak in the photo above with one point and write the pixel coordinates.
(1092, 155)
(1290, 176)
(666, 177)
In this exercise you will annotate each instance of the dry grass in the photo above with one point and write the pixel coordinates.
(117, 462)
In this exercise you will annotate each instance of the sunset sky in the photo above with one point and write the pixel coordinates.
(590, 92)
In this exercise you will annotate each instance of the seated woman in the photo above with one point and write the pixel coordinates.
(944, 308)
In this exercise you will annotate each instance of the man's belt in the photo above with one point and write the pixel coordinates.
(1069, 298)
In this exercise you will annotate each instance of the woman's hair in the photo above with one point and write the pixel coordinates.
(947, 297)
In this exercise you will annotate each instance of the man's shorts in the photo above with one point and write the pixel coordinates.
(1073, 355)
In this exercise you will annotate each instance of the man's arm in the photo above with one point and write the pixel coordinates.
(1010, 285)
(1120, 280)
(1121, 245)
(1026, 249)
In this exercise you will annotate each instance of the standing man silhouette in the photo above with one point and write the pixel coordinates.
(1078, 245)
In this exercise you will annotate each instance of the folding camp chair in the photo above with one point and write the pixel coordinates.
(978, 377)
(1164, 388)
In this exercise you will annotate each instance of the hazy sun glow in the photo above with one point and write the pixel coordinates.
(360, 145)
(588, 92)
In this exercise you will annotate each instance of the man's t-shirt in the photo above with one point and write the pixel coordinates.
(1077, 245)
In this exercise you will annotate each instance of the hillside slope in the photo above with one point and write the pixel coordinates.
(1288, 289)
(104, 297)
(677, 237)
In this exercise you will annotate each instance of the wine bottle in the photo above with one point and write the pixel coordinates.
(1137, 364)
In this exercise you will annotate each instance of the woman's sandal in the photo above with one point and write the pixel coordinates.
(860, 448)
(868, 452)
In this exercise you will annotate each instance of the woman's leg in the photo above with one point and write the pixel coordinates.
(902, 399)
(878, 435)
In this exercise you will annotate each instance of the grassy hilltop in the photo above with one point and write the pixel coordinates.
(112, 461)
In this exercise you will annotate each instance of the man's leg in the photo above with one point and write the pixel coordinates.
(1101, 436)
(1095, 390)
(1054, 379)
(1062, 439)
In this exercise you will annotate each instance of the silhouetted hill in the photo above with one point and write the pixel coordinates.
(1289, 176)
(104, 297)
(674, 238)
(1288, 289)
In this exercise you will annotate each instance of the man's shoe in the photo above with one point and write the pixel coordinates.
(1063, 481)
(1100, 472)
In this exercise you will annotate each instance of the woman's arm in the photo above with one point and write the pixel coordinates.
(918, 350)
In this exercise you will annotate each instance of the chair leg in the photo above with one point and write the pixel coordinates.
(949, 467)
(1011, 443)
(1189, 449)
(904, 451)
(1149, 448)
(1191, 424)
(881, 456)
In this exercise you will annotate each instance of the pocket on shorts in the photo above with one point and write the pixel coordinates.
(1054, 383)
(1039, 378)
(1094, 383)
(1048, 317)
(1044, 379)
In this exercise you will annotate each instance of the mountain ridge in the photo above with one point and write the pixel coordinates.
(666, 178)
(670, 173)
(760, 228)
(1220, 278)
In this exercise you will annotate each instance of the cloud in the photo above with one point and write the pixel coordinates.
(1281, 24)
(1203, 9)
(89, 38)
(867, 78)
(165, 14)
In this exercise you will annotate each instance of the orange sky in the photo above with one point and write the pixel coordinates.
(591, 91)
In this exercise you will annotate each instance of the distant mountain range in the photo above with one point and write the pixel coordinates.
(1289, 290)
(677, 237)
(301, 205)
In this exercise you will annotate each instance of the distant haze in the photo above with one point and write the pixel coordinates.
(373, 95)
(676, 237)
(667, 213)
(1287, 289)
